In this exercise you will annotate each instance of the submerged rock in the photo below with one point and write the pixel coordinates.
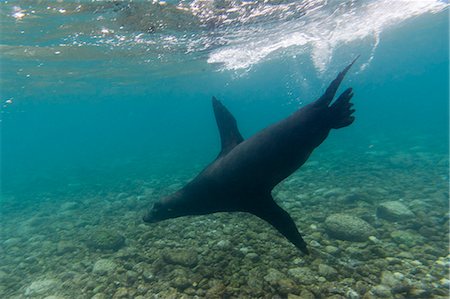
(327, 271)
(69, 205)
(381, 291)
(106, 240)
(407, 238)
(181, 257)
(41, 287)
(273, 276)
(393, 211)
(104, 266)
(64, 247)
(349, 228)
(303, 275)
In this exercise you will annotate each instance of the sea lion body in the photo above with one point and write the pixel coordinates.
(243, 175)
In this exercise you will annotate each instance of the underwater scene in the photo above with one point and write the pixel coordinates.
(107, 118)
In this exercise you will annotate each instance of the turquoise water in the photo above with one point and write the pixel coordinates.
(106, 107)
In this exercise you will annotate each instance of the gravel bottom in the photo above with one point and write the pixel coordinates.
(96, 246)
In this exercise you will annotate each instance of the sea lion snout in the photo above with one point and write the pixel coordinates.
(151, 215)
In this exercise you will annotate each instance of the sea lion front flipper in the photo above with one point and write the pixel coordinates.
(269, 211)
(229, 132)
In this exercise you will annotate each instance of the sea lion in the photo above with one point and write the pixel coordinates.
(244, 173)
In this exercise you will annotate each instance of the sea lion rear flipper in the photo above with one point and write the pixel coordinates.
(229, 132)
(329, 94)
(269, 211)
(341, 110)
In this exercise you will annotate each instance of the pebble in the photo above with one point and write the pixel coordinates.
(407, 238)
(327, 271)
(64, 247)
(273, 276)
(224, 244)
(185, 258)
(106, 240)
(445, 282)
(69, 205)
(382, 291)
(104, 266)
(41, 287)
(331, 249)
(303, 275)
(121, 293)
(252, 256)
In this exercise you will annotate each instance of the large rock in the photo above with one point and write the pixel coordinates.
(394, 210)
(349, 228)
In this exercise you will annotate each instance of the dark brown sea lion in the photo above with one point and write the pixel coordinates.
(244, 173)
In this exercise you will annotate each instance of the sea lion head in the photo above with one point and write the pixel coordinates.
(163, 209)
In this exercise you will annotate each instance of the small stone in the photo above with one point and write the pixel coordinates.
(286, 286)
(374, 239)
(407, 238)
(106, 240)
(419, 293)
(348, 227)
(273, 276)
(361, 287)
(252, 256)
(121, 293)
(351, 294)
(389, 279)
(180, 282)
(216, 291)
(12, 242)
(41, 287)
(369, 295)
(302, 275)
(64, 247)
(307, 294)
(224, 244)
(331, 249)
(327, 271)
(394, 211)
(382, 291)
(69, 205)
(314, 243)
(99, 296)
(405, 255)
(445, 282)
(181, 257)
(244, 250)
(104, 266)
